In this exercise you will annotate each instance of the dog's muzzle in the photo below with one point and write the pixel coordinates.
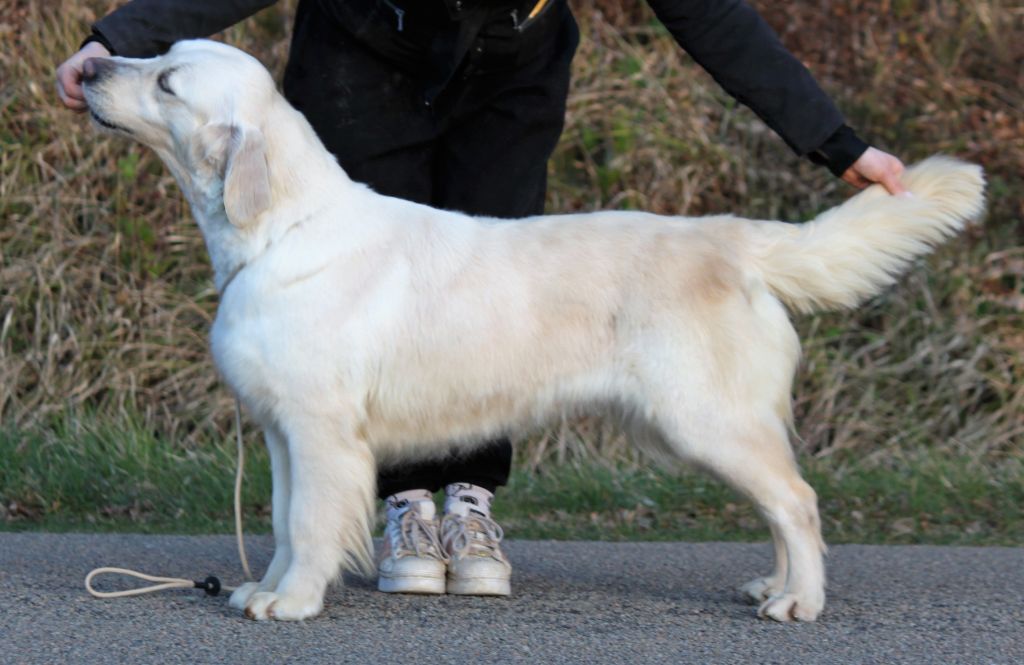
(94, 71)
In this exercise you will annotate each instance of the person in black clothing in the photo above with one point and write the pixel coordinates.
(459, 104)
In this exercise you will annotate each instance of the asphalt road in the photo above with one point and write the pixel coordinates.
(573, 602)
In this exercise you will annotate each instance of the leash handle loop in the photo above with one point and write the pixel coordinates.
(163, 583)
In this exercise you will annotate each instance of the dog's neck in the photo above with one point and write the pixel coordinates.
(301, 168)
(228, 246)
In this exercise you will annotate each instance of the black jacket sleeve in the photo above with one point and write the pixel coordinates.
(737, 47)
(144, 28)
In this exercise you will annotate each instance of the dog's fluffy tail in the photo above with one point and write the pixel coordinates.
(855, 250)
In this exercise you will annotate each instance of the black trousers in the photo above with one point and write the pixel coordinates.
(460, 113)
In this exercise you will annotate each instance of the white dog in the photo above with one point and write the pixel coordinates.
(360, 329)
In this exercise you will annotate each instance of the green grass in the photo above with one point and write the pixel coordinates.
(88, 473)
(926, 500)
(100, 475)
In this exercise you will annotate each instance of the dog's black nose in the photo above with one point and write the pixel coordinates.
(94, 69)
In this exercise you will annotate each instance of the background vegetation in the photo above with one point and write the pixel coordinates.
(911, 408)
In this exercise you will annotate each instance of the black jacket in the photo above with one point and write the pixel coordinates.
(728, 38)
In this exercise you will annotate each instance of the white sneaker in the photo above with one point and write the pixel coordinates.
(472, 543)
(412, 560)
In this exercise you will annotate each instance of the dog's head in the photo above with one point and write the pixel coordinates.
(200, 107)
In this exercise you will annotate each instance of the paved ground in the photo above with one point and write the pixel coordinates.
(574, 602)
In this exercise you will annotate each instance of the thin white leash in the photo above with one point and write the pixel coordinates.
(211, 584)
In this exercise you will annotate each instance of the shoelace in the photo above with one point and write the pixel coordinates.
(412, 531)
(474, 535)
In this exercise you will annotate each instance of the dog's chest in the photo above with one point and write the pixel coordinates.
(263, 355)
(243, 356)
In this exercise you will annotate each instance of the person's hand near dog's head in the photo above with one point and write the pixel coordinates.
(69, 75)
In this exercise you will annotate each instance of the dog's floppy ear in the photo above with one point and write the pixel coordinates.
(246, 176)
(239, 154)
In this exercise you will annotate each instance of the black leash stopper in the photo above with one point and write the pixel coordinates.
(211, 585)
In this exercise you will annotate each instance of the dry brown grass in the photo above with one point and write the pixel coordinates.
(105, 293)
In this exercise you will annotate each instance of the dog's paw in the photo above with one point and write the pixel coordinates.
(282, 607)
(240, 596)
(763, 588)
(787, 607)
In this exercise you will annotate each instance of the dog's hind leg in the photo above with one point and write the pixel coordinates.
(760, 465)
(280, 471)
(763, 588)
(756, 460)
(790, 506)
(329, 514)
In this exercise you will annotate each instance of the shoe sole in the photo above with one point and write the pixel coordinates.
(418, 585)
(480, 586)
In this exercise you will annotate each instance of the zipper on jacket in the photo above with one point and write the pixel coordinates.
(538, 10)
(399, 13)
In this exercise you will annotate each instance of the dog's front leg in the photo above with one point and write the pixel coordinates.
(281, 477)
(329, 513)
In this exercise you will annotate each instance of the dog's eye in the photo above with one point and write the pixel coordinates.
(162, 81)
